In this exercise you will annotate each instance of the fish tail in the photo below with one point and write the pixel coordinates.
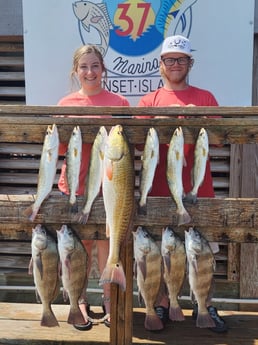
(114, 274)
(83, 217)
(184, 217)
(190, 198)
(153, 322)
(204, 320)
(176, 314)
(75, 316)
(30, 212)
(142, 209)
(49, 319)
(73, 208)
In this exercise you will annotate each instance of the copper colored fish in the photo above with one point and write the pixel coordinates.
(118, 195)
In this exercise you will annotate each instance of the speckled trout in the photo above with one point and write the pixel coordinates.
(118, 195)
(201, 266)
(200, 161)
(94, 175)
(150, 159)
(175, 161)
(47, 170)
(73, 165)
(44, 267)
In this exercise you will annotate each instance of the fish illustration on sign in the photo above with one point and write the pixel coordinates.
(96, 16)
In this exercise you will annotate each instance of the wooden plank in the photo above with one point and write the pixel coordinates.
(233, 263)
(249, 273)
(15, 247)
(14, 91)
(20, 322)
(13, 61)
(229, 219)
(12, 76)
(11, 262)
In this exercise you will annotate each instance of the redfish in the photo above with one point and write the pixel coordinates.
(118, 195)
(44, 267)
(201, 266)
(148, 271)
(74, 263)
(175, 161)
(174, 258)
(47, 170)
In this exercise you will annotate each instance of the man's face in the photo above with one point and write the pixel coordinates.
(175, 67)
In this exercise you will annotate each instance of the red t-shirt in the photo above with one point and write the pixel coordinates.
(104, 98)
(163, 98)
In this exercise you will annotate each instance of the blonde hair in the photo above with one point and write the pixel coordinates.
(86, 49)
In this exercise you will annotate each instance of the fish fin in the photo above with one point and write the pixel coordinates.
(190, 198)
(73, 207)
(109, 170)
(75, 316)
(96, 19)
(68, 264)
(153, 323)
(184, 218)
(167, 262)
(49, 319)
(114, 274)
(39, 265)
(30, 269)
(107, 230)
(176, 314)
(38, 299)
(142, 209)
(30, 213)
(142, 267)
(204, 320)
(83, 217)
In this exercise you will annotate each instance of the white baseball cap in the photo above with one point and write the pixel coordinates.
(176, 44)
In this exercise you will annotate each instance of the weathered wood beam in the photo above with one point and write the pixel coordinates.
(229, 219)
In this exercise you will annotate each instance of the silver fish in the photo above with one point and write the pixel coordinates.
(47, 170)
(200, 161)
(148, 272)
(95, 15)
(174, 258)
(175, 161)
(44, 267)
(74, 263)
(73, 165)
(201, 266)
(150, 161)
(95, 174)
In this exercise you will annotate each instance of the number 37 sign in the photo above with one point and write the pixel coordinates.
(129, 34)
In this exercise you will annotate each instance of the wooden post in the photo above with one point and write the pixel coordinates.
(122, 301)
(243, 184)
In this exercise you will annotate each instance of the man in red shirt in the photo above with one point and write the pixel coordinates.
(175, 64)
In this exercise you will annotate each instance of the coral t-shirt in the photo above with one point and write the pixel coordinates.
(104, 98)
(162, 98)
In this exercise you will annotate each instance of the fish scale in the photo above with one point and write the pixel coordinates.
(118, 196)
(44, 267)
(148, 262)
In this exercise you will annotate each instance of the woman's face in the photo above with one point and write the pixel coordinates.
(89, 73)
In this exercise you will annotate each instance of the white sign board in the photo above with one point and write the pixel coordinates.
(129, 34)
